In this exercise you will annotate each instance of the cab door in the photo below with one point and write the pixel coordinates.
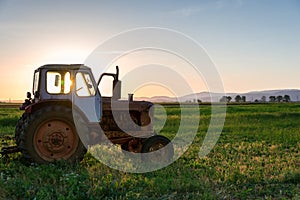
(86, 96)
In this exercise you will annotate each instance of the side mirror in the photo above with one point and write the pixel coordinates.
(28, 95)
(116, 90)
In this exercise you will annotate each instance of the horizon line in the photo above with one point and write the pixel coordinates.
(266, 90)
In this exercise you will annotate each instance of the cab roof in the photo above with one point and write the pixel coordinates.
(65, 66)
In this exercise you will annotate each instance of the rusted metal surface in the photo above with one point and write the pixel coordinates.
(124, 104)
(128, 124)
(139, 113)
(55, 139)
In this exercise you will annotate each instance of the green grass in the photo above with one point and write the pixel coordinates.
(256, 157)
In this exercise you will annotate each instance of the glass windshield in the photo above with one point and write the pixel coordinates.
(58, 82)
(84, 85)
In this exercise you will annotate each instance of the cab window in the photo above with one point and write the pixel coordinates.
(58, 82)
(84, 85)
(36, 81)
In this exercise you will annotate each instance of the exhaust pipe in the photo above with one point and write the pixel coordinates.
(130, 97)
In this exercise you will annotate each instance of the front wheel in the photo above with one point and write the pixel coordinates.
(160, 149)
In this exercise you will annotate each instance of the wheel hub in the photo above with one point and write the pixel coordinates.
(56, 139)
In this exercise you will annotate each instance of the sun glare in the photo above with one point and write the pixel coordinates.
(67, 83)
(152, 90)
(58, 83)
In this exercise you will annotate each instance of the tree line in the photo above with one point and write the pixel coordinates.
(242, 99)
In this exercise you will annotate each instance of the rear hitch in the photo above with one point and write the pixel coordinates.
(9, 150)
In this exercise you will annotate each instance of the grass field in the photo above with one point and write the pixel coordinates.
(256, 157)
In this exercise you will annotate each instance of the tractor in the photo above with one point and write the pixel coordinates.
(46, 132)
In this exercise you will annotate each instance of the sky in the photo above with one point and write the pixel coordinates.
(254, 44)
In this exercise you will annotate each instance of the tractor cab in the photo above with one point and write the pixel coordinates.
(67, 83)
(60, 81)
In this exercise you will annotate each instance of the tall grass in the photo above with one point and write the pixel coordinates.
(257, 156)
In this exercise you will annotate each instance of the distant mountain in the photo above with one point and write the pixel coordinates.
(293, 93)
(156, 99)
(215, 97)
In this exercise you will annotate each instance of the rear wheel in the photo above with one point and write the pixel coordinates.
(18, 129)
(49, 135)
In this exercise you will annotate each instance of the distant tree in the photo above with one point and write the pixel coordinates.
(199, 101)
(279, 98)
(286, 98)
(263, 98)
(272, 98)
(238, 98)
(223, 99)
(256, 101)
(228, 98)
(244, 99)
